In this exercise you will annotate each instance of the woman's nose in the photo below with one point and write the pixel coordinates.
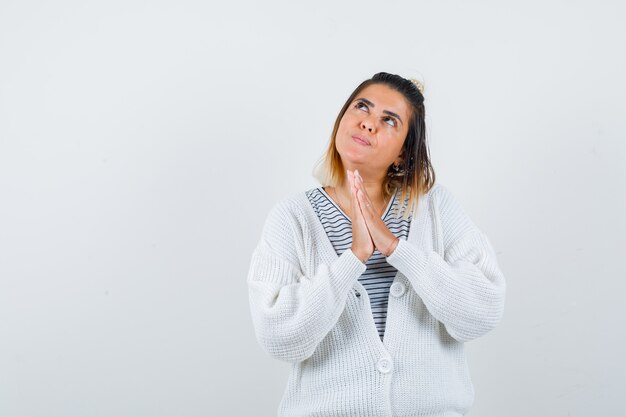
(368, 124)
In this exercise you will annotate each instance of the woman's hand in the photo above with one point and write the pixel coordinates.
(362, 244)
(384, 240)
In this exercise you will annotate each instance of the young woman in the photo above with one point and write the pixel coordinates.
(371, 284)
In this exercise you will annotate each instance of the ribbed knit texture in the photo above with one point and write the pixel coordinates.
(448, 290)
(379, 275)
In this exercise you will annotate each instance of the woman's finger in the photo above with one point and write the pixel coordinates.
(351, 182)
(362, 197)
(364, 206)
(359, 183)
(362, 243)
(354, 198)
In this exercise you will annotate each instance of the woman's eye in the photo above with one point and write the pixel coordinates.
(390, 121)
(361, 106)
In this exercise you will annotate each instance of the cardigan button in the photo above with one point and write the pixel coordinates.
(384, 365)
(397, 289)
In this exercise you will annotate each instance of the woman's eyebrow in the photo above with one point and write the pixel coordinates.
(390, 113)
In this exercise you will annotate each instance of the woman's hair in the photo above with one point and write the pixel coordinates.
(416, 175)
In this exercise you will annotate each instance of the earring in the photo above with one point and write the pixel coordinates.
(396, 171)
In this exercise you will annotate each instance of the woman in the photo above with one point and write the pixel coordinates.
(371, 284)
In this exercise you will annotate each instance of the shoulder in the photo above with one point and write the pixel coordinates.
(286, 224)
(443, 197)
(439, 191)
(289, 211)
(437, 196)
(291, 204)
(453, 218)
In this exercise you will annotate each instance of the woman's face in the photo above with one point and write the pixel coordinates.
(372, 131)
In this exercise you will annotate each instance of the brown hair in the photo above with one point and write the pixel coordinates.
(416, 175)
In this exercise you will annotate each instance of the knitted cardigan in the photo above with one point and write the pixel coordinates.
(308, 308)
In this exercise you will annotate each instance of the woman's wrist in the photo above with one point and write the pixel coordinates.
(360, 256)
(392, 247)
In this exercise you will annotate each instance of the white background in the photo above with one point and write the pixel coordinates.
(143, 143)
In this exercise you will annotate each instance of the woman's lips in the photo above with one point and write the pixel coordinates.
(360, 140)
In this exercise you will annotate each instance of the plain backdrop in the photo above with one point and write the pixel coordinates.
(142, 145)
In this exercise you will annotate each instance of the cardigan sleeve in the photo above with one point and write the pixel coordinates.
(293, 312)
(465, 288)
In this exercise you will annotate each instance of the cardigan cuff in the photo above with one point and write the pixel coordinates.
(352, 263)
(407, 257)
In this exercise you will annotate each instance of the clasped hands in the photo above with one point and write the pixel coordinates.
(369, 231)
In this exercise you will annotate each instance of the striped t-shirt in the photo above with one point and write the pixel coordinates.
(379, 275)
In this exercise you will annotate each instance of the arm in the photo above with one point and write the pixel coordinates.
(465, 288)
(292, 312)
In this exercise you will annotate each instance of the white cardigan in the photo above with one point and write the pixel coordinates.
(303, 297)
